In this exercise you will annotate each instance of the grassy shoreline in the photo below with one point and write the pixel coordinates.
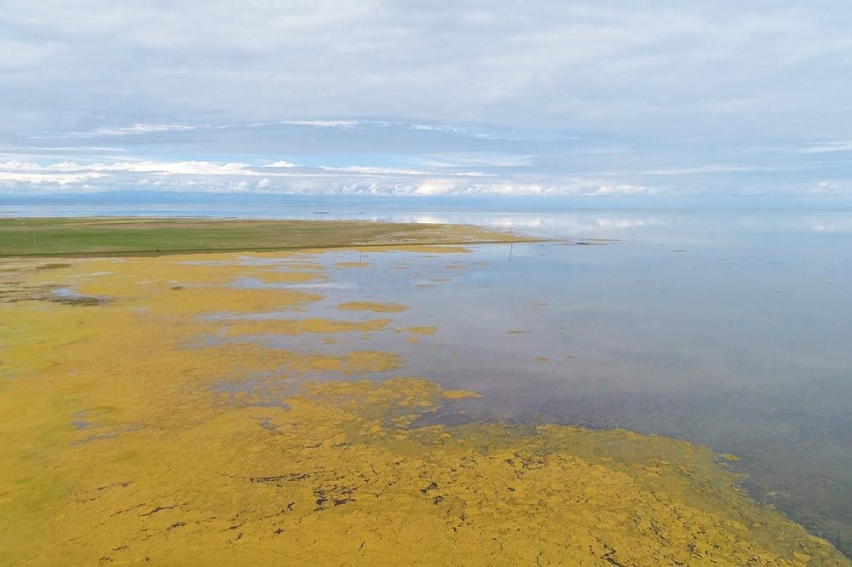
(123, 236)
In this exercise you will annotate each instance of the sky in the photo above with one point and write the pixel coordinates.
(647, 99)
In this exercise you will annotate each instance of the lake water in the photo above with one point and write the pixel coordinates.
(730, 329)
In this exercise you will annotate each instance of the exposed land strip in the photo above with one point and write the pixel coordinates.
(114, 236)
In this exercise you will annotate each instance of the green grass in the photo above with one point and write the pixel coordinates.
(127, 236)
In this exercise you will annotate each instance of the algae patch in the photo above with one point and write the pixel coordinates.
(372, 306)
(302, 326)
(459, 394)
(422, 330)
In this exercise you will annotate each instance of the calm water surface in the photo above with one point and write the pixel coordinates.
(730, 329)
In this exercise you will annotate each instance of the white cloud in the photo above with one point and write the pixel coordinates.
(435, 128)
(828, 147)
(285, 164)
(168, 168)
(64, 149)
(61, 179)
(370, 170)
(19, 166)
(143, 129)
(717, 168)
(70, 176)
(323, 123)
(198, 168)
(624, 189)
(436, 187)
(477, 160)
(831, 188)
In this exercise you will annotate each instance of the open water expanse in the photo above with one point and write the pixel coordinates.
(731, 329)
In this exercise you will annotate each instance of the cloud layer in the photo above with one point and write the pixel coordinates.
(464, 96)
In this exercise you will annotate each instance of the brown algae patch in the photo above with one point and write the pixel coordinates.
(53, 266)
(424, 330)
(459, 394)
(118, 447)
(373, 306)
(199, 285)
(292, 277)
(301, 326)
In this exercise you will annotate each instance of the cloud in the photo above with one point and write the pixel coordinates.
(435, 127)
(552, 64)
(68, 177)
(624, 189)
(477, 160)
(713, 168)
(380, 92)
(143, 129)
(16, 170)
(831, 188)
(370, 170)
(323, 123)
(828, 147)
(38, 179)
(27, 53)
(436, 187)
(159, 167)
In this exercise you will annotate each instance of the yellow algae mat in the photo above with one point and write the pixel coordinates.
(136, 428)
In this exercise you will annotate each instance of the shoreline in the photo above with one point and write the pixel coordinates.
(151, 236)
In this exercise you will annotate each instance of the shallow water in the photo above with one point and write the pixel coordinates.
(729, 329)
(725, 329)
